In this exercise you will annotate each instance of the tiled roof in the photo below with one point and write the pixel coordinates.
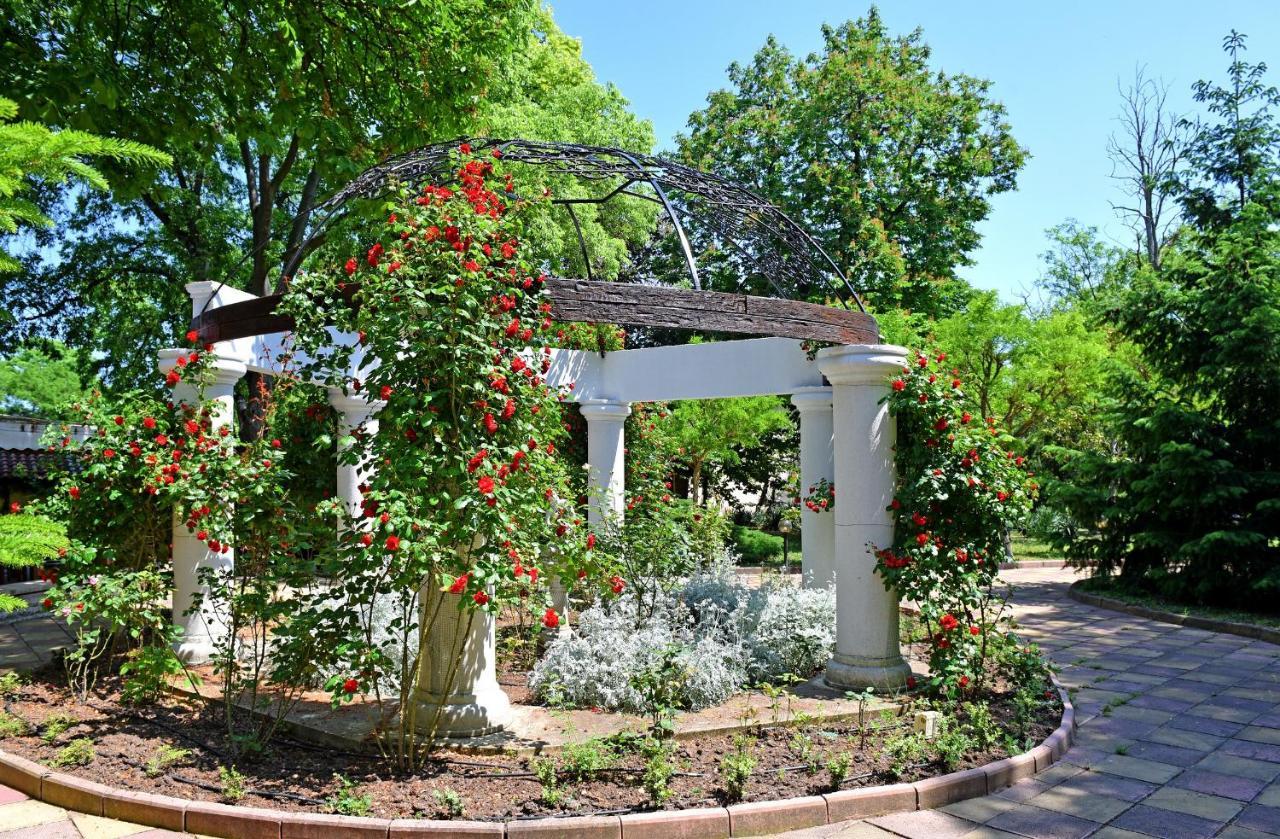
(24, 463)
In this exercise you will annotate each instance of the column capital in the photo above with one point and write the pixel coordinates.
(227, 371)
(861, 364)
(604, 410)
(353, 407)
(812, 399)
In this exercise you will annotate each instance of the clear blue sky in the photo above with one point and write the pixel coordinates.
(1055, 66)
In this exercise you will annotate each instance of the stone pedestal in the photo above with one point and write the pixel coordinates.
(203, 626)
(606, 494)
(817, 463)
(867, 651)
(457, 678)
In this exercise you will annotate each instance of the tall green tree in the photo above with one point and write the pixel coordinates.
(889, 162)
(1189, 502)
(712, 432)
(266, 109)
(40, 382)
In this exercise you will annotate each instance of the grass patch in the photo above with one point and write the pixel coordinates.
(1029, 548)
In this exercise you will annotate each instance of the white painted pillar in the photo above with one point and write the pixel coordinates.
(867, 650)
(817, 462)
(190, 555)
(606, 492)
(458, 694)
(353, 412)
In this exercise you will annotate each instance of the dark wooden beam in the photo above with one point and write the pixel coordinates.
(623, 303)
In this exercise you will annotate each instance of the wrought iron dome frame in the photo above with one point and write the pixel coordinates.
(758, 233)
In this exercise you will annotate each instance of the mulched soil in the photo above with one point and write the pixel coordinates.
(294, 776)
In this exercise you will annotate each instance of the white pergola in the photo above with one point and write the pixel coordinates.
(846, 436)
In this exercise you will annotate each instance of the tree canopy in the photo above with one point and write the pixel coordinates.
(889, 163)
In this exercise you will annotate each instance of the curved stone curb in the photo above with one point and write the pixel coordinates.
(756, 818)
(1244, 630)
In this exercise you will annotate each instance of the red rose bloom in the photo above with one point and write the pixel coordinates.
(550, 619)
(47, 603)
(148, 423)
(480, 597)
(350, 686)
(485, 485)
(591, 541)
(459, 585)
(393, 543)
(350, 266)
(948, 622)
(899, 385)
(74, 492)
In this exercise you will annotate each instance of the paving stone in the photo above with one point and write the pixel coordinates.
(54, 830)
(1250, 749)
(1025, 789)
(1184, 739)
(1042, 824)
(1210, 678)
(1241, 767)
(1161, 753)
(1269, 796)
(1166, 824)
(1214, 783)
(96, 827)
(924, 824)
(1205, 725)
(1100, 783)
(1271, 720)
(29, 813)
(1260, 817)
(1233, 832)
(1196, 803)
(1259, 734)
(1110, 832)
(1146, 716)
(1161, 703)
(980, 809)
(8, 795)
(1219, 712)
(1079, 803)
(1136, 767)
(1185, 691)
(985, 832)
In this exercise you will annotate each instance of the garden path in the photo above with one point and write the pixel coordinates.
(1179, 737)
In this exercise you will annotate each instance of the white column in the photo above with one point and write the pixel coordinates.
(867, 650)
(458, 694)
(353, 412)
(817, 462)
(190, 555)
(606, 493)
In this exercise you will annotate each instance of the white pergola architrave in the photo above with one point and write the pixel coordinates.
(846, 437)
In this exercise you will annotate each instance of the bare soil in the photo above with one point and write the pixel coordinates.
(790, 760)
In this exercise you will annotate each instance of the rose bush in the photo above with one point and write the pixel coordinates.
(960, 489)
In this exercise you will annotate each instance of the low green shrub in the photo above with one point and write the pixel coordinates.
(756, 547)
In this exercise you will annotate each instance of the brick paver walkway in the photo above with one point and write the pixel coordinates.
(1179, 735)
(1179, 738)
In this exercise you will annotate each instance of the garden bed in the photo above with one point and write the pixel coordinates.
(592, 777)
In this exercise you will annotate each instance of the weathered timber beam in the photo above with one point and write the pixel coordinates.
(622, 303)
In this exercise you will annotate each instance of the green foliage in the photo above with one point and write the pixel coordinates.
(544, 769)
(148, 671)
(756, 547)
(345, 802)
(11, 726)
(55, 725)
(79, 752)
(834, 138)
(712, 432)
(661, 685)
(737, 768)
(29, 541)
(658, 769)
(960, 490)
(276, 107)
(39, 381)
(11, 684)
(450, 801)
(578, 761)
(33, 154)
(1184, 503)
(838, 769)
(904, 751)
(953, 742)
(163, 757)
(233, 784)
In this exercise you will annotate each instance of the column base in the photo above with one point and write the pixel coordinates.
(858, 672)
(487, 711)
(194, 650)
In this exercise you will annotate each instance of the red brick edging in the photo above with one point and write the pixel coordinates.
(753, 819)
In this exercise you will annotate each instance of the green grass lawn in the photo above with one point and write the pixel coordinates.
(1027, 547)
